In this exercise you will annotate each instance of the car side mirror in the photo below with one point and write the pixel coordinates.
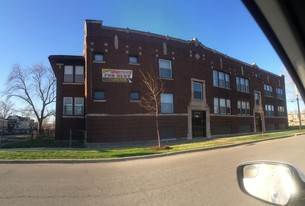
(272, 182)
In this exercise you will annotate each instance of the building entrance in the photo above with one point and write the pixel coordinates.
(258, 122)
(199, 123)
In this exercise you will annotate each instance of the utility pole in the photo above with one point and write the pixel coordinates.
(299, 113)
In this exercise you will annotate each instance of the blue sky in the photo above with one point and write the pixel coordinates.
(31, 30)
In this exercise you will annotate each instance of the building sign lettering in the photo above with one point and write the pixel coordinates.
(117, 75)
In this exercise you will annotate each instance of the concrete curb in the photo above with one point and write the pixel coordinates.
(75, 161)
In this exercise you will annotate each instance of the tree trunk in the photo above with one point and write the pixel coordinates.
(158, 132)
(40, 129)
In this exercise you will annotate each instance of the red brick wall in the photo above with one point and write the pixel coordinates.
(131, 128)
(118, 119)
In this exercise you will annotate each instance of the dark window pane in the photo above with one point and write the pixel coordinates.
(134, 96)
(99, 95)
(133, 60)
(99, 57)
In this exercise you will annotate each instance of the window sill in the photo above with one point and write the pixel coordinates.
(219, 114)
(99, 62)
(243, 92)
(135, 64)
(269, 96)
(73, 83)
(72, 116)
(164, 78)
(99, 100)
(135, 101)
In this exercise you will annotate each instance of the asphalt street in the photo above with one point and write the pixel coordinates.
(198, 178)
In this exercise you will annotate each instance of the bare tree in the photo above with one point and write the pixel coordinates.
(151, 100)
(6, 109)
(35, 86)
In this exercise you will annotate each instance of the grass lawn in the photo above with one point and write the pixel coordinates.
(117, 153)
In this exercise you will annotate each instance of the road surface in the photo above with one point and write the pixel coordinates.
(198, 178)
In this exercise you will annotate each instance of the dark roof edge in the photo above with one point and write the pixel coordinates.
(54, 59)
(66, 57)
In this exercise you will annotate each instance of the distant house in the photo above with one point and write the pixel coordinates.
(19, 123)
(293, 119)
(3, 124)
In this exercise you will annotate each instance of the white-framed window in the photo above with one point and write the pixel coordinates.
(99, 95)
(68, 76)
(269, 109)
(99, 58)
(242, 84)
(133, 60)
(281, 110)
(221, 79)
(268, 90)
(79, 106)
(280, 93)
(73, 74)
(79, 74)
(197, 90)
(222, 106)
(243, 107)
(167, 103)
(73, 106)
(165, 69)
(216, 106)
(68, 106)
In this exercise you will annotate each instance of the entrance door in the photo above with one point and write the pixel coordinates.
(199, 123)
(258, 122)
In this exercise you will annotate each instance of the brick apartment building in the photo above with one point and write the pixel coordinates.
(207, 93)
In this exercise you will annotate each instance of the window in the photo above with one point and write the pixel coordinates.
(99, 57)
(77, 109)
(280, 93)
(68, 106)
(222, 106)
(268, 90)
(221, 79)
(257, 97)
(68, 77)
(79, 106)
(216, 106)
(281, 110)
(133, 60)
(269, 109)
(73, 74)
(134, 95)
(167, 103)
(243, 107)
(99, 95)
(197, 90)
(79, 74)
(242, 84)
(165, 68)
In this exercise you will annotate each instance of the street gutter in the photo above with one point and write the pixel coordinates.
(81, 161)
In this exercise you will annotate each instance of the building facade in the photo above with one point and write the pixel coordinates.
(206, 93)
